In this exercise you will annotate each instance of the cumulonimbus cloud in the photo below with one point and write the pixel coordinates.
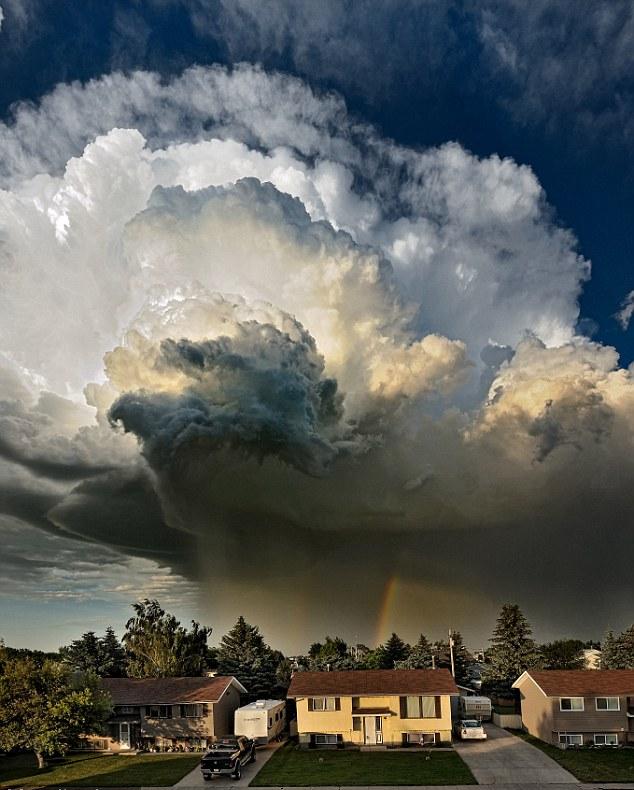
(319, 339)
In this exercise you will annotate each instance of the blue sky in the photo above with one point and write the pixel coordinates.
(417, 346)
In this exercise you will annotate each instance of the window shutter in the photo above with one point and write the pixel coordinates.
(438, 707)
(337, 703)
(310, 703)
(312, 741)
(403, 703)
(182, 710)
(404, 738)
(170, 711)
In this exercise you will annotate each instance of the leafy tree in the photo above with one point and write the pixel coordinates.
(44, 707)
(244, 653)
(419, 656)
(513, 649)
(617, 652)
(157, 645)
(563, 654)
(376, 659)
(331, 654)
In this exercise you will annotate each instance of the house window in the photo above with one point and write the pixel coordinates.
(357, 724)
(419, 707)
(159, 712)
(323, 703)
(571, 703)
(608, 703)
(270, 722)
(191, 711)
(606, 739)
(571, 740)
(419, 738)
(126, 709)
(325, 740)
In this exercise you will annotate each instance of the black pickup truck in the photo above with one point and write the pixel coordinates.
(227, 756)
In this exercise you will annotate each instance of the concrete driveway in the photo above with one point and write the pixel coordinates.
(195, 778)
(505, 759)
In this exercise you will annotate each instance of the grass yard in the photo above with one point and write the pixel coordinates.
(590, 765)
(97, 770)
(312, 767)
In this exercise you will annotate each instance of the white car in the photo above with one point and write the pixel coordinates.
(470, 729)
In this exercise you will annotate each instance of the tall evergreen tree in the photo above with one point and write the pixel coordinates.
(244, 654)
(157, 645)
(512, 650)
(617, 652)
(395, 650)
(104, 656)
(83, 654)
(113, 662)
(419, 656)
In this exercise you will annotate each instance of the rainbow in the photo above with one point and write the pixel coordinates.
(386, 606)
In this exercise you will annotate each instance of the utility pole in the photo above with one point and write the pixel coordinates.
(453, 665)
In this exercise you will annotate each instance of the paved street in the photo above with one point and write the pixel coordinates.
(505, 759)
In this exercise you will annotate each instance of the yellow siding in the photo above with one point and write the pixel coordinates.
(339, 722)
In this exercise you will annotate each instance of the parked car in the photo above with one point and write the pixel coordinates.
(470, 730)
(227, 756)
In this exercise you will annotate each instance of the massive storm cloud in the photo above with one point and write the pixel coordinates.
(245, 338)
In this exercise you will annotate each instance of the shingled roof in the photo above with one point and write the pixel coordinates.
(363, 682)
(581, 682)
(167, 691)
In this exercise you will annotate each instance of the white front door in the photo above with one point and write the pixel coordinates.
(370, 730)
(124, 735)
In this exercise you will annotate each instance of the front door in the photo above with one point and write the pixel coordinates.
(370, 730)
(124, 734)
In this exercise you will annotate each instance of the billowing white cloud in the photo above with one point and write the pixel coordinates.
(246, 325)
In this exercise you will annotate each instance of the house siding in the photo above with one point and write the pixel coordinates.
(393, 726)
(542, 717)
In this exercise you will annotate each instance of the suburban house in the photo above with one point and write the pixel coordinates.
(161, 713)
(578, 707)
(380, 708)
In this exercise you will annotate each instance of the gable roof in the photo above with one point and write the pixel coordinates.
(580, 682)
(360, 682)
(168, 691)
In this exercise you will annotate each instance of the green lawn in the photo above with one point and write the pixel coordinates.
(590, 765)
(97, 770)
(291, 766)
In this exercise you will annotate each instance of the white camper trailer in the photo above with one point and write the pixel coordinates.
(475, 708)
(262, 720)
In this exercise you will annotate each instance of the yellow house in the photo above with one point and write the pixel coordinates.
(376, 707)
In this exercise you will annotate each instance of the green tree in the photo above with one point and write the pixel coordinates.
(617, 652)
(513, 649)
(244, 654)
(44, 707)
(157, 645)
(104, 656)
(563, 654)
(331, 654)
(419, 656)
(395, 650)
